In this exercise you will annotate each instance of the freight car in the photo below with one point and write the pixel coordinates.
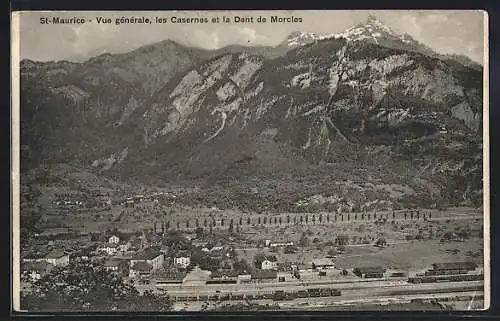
(237, 297)
(335, 292)
(446, 278)
(302, 294)
(279, 296)
(444, 272)
(310, 293)
(276, 295)
(324, 292)
(314, 293)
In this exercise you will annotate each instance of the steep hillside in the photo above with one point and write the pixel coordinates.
(412, 119)
(352, 121)
(69, 109)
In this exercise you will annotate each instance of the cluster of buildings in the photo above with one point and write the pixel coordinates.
(131, 257)
(152, 258)
(146, 258)
(140, 198)
(87, 199)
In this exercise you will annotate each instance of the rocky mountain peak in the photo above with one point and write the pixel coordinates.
(372, 29)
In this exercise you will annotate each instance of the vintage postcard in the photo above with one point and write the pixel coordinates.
(250, 161)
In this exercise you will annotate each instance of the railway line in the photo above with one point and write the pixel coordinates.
(332, 303)
(467, 279)
(290, 293)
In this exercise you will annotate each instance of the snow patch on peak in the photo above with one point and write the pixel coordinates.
(297, 38)
(372, 29)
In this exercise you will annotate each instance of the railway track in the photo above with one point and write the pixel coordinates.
(294, 293)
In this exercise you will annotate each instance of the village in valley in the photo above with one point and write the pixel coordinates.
(207, 258)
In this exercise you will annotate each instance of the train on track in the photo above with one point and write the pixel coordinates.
(276, 295)
(445, 278)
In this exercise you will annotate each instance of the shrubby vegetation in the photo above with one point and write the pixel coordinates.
(85, 286)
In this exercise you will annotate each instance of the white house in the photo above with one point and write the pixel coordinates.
(269, 243)
(183, 261)
(269, 264)
(280, 244)
(124, 246)
(57, 258)
(110, 248)
(114, 239)
(112, 265)
(324, 263)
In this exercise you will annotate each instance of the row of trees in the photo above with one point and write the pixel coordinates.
(233, 224)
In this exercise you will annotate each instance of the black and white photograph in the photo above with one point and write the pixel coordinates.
(228, 161)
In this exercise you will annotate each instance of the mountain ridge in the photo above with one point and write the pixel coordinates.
(286, 121)
(300, 38)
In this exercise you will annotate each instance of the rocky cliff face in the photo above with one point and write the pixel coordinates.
(373, 108)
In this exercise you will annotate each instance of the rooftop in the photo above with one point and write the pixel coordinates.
(264, 274)
(55, 254)
(370, 269)
(36, 266)
(112, 263)
(323, 261)
(142, 266)
(34, 254)
(147, 254)
(219, 274)
(261, 257)
(170, 275)
(183, 254)
(271, 258)
(454, 266)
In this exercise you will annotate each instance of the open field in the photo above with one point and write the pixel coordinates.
(412, 256)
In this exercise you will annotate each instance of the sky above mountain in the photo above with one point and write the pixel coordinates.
(448, 32)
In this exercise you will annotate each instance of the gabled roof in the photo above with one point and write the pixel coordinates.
(36, 266)
(34, 255)
(262, 257)
(171, 275)
(142, 267)
(147, 254)
(454, 266)
(370, 270)
(112, 263)
(55, 254)
(272, 258)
